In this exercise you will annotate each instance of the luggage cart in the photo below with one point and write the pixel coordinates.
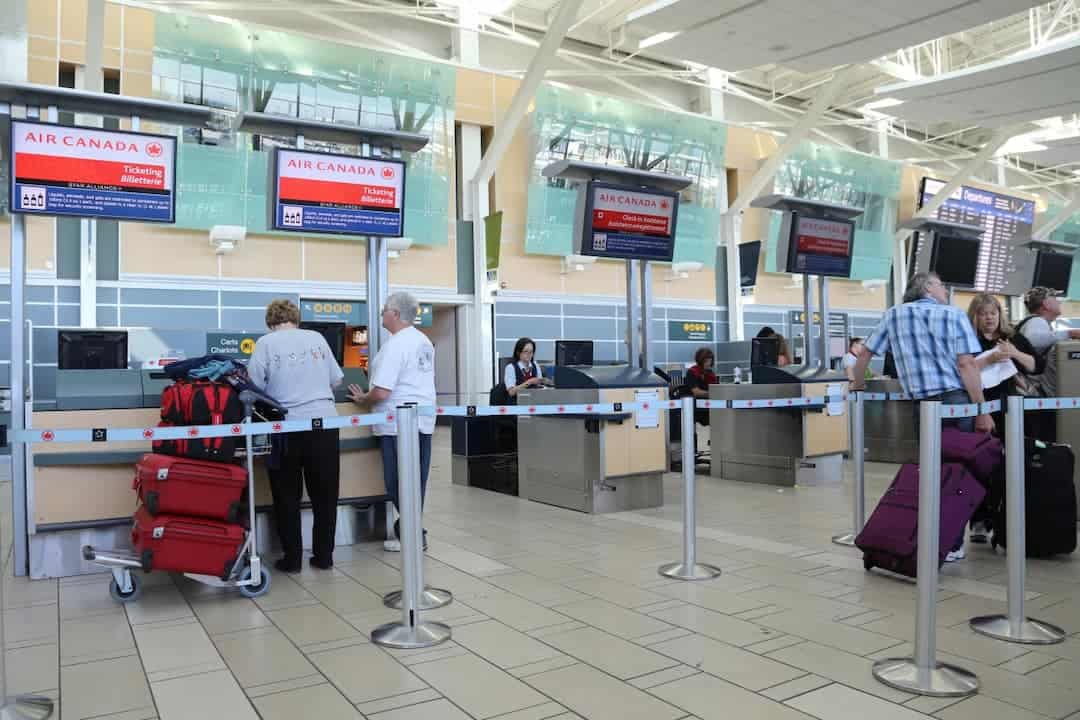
(248, 574)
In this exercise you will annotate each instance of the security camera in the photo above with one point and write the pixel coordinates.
(225, 238)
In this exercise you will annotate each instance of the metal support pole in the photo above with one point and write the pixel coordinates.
(808, 321)
(922, 674)
(646, 315)
(1016, 626)
(689, 568)
(411, 632)
(18, 392)
(633, 349)
(858, 462)
(823, 324)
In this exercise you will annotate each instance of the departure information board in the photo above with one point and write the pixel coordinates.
(1004, 268)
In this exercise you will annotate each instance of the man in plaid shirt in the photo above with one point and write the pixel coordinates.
(934, 346)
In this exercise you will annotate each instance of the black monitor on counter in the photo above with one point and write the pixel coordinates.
(749, 256)
(92, 350)
(573, 352)
(764, 352)
(1053, 270)
(334, 332)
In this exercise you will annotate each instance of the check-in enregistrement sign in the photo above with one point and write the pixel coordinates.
(629, 223)
(340, 194)
(92, 173)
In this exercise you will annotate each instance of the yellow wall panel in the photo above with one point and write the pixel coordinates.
(474, 102)
(73, 52)
(113, 24)
(425, 266)
(155, 249)
(110, 58)
(40, 243)
(42, 17)
(136, 84)
(264, 256)
(42, 47)
(138, 61)
(73, 20)
(327, 260)
(138, 29)
(43, 72)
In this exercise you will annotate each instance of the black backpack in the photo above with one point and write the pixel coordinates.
(499, 395)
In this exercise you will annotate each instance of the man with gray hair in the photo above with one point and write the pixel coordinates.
(402, 372)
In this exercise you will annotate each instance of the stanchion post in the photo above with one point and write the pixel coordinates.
(689, 568)
(1016, 626)
(922, 674)
(858, 462)
(411, 632)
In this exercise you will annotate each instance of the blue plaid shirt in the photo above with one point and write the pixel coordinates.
(925, 338)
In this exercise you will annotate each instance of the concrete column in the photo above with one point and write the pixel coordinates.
(13, 41)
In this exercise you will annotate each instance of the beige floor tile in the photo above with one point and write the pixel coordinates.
(462, 559)
(311, 624)
(962, 642)
(730, 663)
(262, 656)
(611, 618)
(33, 669)
(33, 625)
(615, 592)
(319, 701)
(478, 687)
(225, 611)
(930, 705)
(837, 702)
(172, 649)
(663, 677)
(594, 695)
(537, 589)
(716, 625)
(346, 597)
(434, 710)
(22, 591)
(844, 637)
(524, 671)
(1063, 672)
(547, 711)
(87, 598)
(839, 666)
(793, 581)
(794, 688)
(95, 638)
(198, 697)
(611, 654)
(517, 612)
(374, 707)
(381, 675)
(711, 698)
(824, 608)
(1029, 662)
(547, 569)
(980, 707)
(159, 604)
(101, 688)
(712, 597)
(502, 645)
(285, 593)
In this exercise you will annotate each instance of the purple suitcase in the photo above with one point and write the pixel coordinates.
(890, 539)
(981, 453)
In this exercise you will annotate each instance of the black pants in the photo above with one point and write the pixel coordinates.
(312, 458)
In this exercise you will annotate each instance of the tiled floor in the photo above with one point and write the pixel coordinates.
(556, 615)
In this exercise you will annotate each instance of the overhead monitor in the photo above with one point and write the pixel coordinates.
(820, 247)
(92, 349)
(748, 263)
(1004, 267)
(955, 259)
(628, 223)
(574, 352)
(1053, 270)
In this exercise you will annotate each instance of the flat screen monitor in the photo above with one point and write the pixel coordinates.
(574, 352)
(765, 351)
(628, 223)
(92, 350)
(748, 263)
(1053, 270)
(334, 334)
(820, 247)
(955, 259)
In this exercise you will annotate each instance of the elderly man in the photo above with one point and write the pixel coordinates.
(402, 372)
(1040, 329)
(934, 345)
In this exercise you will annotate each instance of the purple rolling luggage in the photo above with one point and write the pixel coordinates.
(981, 453)
(890, 539)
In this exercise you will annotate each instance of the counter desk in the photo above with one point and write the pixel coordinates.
(889, 427)
(81, 493)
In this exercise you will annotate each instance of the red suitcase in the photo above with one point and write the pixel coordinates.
(890, 539)
(182, 486)
(184, 544)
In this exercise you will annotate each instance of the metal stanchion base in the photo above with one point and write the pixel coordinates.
(1030, 632)
(403, 637)
(942, 681)
(26, 707)
(847, 540)
(430, 599)
(698, 571)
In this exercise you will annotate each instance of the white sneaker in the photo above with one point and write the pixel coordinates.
(391, 545)
(955, 555)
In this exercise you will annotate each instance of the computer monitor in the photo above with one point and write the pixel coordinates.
(1053, 270)
(765, 351)
(334, 334)
(92, 349)
(748, 263)
(955, 259)
(574, 352)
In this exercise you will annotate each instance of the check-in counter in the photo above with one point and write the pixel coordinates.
(79, 494)
(889, 426)
(779, 446)
(590, 463)
(1068, 385)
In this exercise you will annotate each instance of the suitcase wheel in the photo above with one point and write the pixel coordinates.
(867, 563)
(122, 597)
(254, 591)
(152, 502)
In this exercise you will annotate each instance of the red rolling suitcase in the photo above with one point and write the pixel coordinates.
(184, 544)
(890, 539)
(184, 486)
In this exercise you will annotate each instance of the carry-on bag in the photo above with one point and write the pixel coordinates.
(1049, 501)
(182, 486)
(981, 453)
(186, 403)
(184, 544)
(890, 538)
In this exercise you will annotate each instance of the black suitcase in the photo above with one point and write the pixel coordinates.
(1049, 501)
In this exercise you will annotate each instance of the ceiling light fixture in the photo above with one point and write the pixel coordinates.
(657, 39)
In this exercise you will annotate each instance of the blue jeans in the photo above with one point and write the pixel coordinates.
(388, 445)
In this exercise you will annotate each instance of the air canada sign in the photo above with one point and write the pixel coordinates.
(624, 222)
(87, 172)
(322, 193)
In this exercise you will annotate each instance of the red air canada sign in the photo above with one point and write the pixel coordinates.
(626, 211)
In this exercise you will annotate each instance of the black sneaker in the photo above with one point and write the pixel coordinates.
(320, 564)
(283, 565)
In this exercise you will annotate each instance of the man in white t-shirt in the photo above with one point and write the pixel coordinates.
(402, 372)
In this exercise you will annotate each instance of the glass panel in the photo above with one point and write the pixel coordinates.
(1068, 233)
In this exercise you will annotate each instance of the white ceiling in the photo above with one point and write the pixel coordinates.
(1058, 152)
(809, 36)
(1032, 86)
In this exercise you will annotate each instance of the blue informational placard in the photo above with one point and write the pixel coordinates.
(340, 194)
(629, 223)
(820, 247)
(92, 173)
